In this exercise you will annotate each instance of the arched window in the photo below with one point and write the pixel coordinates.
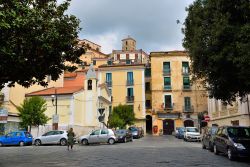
(89, 84)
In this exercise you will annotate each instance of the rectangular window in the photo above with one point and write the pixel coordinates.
(127, 56)
(147, 85)
(186, 83)
(148, 103)
(130, 92)
(148, 72)
(130, 95)
(187, 103)
(94, 62)
(185, 68)
(168, 101)
(109, 79)
(130, 78)
(167, 83)
(166, 68)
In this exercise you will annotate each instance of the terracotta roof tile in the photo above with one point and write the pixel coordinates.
(59, 90)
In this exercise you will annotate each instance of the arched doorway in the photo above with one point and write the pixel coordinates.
(149, 124)
(189, 123)
(168, 126)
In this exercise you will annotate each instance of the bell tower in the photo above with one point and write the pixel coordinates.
(128, 44)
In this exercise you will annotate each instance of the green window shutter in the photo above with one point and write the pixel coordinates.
(187, 102)
(166, 66)
(167, 81)
(185, 67)
(186, 81)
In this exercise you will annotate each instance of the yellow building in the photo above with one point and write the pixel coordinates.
(92, 55)
(126, 83)
(82, 105)
(14, 96)
(175, 100)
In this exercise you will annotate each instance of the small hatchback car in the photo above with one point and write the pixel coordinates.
(99, 136)
(52, 137)
(20, 138)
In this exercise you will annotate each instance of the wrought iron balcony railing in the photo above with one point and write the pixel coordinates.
(130, 99)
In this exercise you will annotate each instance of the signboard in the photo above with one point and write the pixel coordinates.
(169, 115)
(206, 118)
(55, 118)
(3, 115)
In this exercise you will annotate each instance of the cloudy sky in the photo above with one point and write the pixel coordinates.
(152, 23)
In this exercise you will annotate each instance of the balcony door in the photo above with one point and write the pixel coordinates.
(168, 101)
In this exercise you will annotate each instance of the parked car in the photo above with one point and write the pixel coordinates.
(20, 138)
(180, 132)
(123, 135)
(135, 132)
(52, 137)
(192, 134)
(233, 141)
(99, 136)
(208, 135)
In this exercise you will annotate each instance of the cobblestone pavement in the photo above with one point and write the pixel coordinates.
(145, 152)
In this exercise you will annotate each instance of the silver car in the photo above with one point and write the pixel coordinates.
(98, 136)
(52, 137)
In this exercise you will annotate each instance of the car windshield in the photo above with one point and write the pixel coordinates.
(240, 132)
(120, 131)
(181, 129)
(192, 130)
(133, 129)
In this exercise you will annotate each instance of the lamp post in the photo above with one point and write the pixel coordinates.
(55, 118)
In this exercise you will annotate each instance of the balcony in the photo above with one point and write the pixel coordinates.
(130, 99)
(168, 107)
(167, 87)
(188, 109)
(166, 72)
(130, 82)
(109, 83)
(186, 87)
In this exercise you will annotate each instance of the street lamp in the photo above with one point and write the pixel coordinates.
(55, 117)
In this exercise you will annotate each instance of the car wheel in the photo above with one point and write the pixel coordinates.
(216, 152)
(38, 142)
(111, 141)
(63, 142)
(85, 142)
(21, 143)
(230, 154)
(203, 145)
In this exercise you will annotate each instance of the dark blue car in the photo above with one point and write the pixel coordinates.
(20, 138)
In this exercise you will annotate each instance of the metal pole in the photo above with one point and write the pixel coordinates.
(56, 99)
(248, 107)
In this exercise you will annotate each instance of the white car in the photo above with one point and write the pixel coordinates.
(52, 137)
(98, 136)
(192, 134)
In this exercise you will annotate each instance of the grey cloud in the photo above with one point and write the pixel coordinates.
(151, 22)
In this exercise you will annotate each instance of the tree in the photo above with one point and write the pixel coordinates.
(32, 111)
(36, 39)
(121, 116)
(217, 37)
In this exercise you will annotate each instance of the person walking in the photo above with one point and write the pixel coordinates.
(71, 136)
